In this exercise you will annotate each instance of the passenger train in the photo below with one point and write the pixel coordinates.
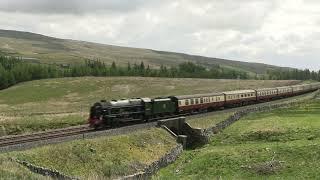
(116, 112)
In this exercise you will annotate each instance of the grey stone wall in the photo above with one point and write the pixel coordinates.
(45, 171)
(156, 165)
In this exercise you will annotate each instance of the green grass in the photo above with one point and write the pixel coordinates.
(28, 124)
(289, 136)
(100, 158)
(13, 170)
(209, 121)
(57, 103)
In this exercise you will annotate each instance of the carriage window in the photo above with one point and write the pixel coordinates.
(179, 103)
(187, 102)
(201, 100)
(197, 101)
(192, 101)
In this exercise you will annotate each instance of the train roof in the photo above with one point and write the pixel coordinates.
(266, 89)
(239, 92)
(283, 87)
(299, 85)
(161, 99)
(198, 95)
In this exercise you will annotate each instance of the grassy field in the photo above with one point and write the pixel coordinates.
(100, 158)
(209, 121)
(281, 144)
(13, 170)
(46, 49)
(57, 103)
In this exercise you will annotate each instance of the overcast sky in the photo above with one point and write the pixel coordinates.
(280, 32)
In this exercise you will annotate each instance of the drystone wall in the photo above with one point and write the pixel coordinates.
(45, 171)
(156, 165)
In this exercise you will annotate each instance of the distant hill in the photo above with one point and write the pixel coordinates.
(40, 48)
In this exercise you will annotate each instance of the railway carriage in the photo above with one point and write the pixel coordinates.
(314, 86)
(267, 94)
(297, 89)
(200, 102)
(285, 91)
(241, 97)
(307, 88)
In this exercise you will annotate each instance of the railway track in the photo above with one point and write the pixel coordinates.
(46, 135)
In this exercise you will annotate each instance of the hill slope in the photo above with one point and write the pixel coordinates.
(40, 48)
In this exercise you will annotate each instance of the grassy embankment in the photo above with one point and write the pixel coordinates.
(57, 103)
(100, 158)
(283, 144)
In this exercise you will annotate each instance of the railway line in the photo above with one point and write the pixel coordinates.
(46, 135)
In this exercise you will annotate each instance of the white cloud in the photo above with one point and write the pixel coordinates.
(275, 32)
